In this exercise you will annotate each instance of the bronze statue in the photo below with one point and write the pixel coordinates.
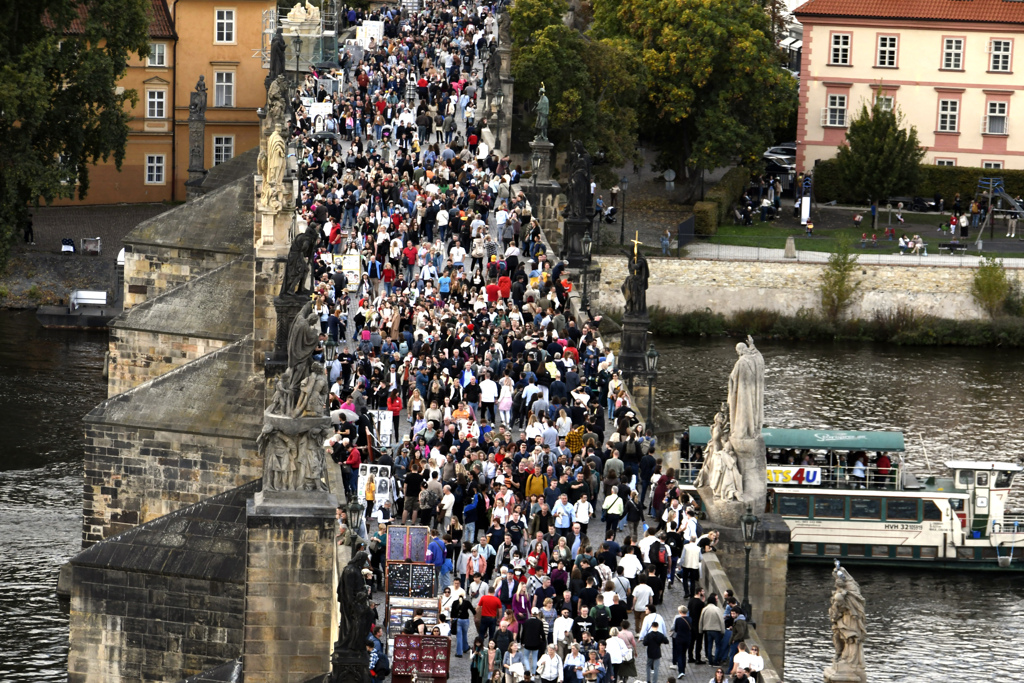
(634, 289)
(277, 65)
(300, 257)
(356, 616)
(578, 191)
(543, 109)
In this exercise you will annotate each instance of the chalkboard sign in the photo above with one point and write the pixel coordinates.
(411, 580)
(423, 581)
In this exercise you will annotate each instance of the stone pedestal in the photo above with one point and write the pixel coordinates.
(351, 667)
(572, 240)
(769, 564)
(790, 247)
(842, 673)
(752, 464)
(544, 148)
(632, 361)
(290, 574)
(285, 308)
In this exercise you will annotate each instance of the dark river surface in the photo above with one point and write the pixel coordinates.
(923, 626)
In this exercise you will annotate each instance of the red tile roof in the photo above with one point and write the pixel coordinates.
(160, 25)
(988, 11)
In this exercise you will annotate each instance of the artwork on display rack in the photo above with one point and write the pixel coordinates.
(407, 543)
(408, 580)
(384, 423)
(400, 610)
(420, 655)
(381, 474)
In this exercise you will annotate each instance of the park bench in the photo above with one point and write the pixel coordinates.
(87, 297)
(953, 247)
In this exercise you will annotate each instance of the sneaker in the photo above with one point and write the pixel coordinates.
(680, 675)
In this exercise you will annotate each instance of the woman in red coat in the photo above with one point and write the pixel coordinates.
(395, 406)
(505, 286)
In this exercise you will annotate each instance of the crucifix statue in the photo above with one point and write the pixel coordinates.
(634, 288)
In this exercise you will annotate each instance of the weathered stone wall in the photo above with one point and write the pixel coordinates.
(135, 475)
(129, 626)
(715, 580)
(151, 270)
(137, 356)
(685, 285)
(268, 276)
(289, 605)
(165, 600)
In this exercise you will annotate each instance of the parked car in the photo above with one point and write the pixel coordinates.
(785, 149)
(919, 204)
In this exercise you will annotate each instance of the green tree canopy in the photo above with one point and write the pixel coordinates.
(60, 61)
(881, 157)
(712, 77)
(592, 84)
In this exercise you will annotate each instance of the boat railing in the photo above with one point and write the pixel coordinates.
(831, 477)
(1010, 524)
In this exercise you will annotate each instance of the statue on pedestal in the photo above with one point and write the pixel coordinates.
(720, 470)
(300, 257)
(356, 616)
(846, 612)
(277, 58)
(578, 192)
(197, 100)
(746, 392)
(543, 109)
(271, 165)
(634, 288)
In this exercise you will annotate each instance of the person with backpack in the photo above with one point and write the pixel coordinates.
(380, 666)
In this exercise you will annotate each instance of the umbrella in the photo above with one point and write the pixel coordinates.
(349, 415)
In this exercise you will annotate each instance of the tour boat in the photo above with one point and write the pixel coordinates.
(881, 517)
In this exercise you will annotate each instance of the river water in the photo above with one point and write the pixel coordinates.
(950, 402)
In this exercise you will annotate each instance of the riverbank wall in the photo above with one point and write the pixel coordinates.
(731, 287)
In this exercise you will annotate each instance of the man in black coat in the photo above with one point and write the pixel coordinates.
(695, 606)
(531, 635)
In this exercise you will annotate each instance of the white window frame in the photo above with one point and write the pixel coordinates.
(889, 52)
(223, 144)
(997, 111)
(885, 101)
(224, 93)
(834, 114)
(156, 104)
(949, 120)
(945, 162)
(1000, 60)
(156, 167)
(839, 50)
(224, 26)
(160, 51)
(953, 52)
(992, 165)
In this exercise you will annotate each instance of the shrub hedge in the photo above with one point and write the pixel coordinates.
(944, 180)
(705, 216)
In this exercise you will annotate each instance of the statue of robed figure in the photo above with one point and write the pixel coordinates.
(746, 392)
(849, 628)
(634, 288)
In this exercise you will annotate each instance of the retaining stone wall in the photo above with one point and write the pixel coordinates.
(155, 270)
(135, 475)
(137, 356)
(130, 626)
(726, 287)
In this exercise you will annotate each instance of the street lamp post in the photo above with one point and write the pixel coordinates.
(623, 184)
(587, 244)
(297, 46)
(652, 375)
(749, 523)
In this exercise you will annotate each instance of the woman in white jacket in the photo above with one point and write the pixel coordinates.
(619, 653)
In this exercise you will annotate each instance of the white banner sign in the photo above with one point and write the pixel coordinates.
(324, 109)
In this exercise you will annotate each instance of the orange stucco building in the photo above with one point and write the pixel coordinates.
(188, 39)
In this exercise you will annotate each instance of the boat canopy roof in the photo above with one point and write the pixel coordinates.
(983, 465)
(817, 438)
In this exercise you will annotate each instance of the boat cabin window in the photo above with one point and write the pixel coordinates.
(931, 511)
(982, 480)
(794, 506)
(901, 508)
(865, 508)
(965, 477)
(1003, 480)
(830, 506)
(956, 504)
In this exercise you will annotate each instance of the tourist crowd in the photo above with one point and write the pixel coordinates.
(511, 435)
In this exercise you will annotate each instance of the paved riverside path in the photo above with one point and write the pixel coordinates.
(885, 255)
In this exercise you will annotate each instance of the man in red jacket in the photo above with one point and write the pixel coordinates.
(490, 607)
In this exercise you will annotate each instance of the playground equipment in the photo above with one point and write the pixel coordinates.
(995, 192)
